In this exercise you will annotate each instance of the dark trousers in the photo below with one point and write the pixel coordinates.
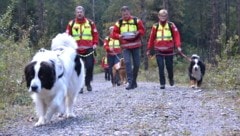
(107, 74)
(132, 56)
(162, 61)
(89, 65)
(112, 60)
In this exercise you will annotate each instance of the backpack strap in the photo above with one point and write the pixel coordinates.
(73, 22)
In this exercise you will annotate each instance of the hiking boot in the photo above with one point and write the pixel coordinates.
(134, 85)
(162, 87)
(81, 91)
(89, 88)
(171, 82)
(130, 86)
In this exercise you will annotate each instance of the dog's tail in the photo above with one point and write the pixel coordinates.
(62, 41)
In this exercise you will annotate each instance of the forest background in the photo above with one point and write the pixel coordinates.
(210, 29)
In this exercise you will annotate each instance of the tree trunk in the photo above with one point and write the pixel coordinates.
(227, 14)
(214, 33)
(93, 10)
(144, 39)
(238, 27)
(40, 13)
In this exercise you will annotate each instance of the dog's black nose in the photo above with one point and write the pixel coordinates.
(196, 69)
(34, 88)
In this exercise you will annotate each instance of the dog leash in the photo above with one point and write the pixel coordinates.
(185, 56)
(174, 53)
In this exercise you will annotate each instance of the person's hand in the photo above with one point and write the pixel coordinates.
(179, 49)
(110, 49)
(121, 37)
(137, 33)
(148, 53)
(94, 46)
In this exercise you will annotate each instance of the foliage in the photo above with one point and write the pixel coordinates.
(225, 76)
(13, 58)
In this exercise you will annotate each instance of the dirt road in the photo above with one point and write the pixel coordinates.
(145, 111)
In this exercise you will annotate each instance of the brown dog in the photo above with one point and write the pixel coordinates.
(120, 69)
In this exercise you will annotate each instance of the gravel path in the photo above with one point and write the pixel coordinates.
(144, 111)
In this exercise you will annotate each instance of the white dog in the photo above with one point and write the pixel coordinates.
(54, 78)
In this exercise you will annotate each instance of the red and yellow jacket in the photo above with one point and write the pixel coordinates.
(104, 63)
(112, 43)
(84, 32)
(129, 26)
(164, 37)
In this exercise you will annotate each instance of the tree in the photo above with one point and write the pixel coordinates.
(238, 27)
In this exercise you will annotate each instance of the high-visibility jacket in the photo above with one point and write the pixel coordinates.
(84, 32)
(164, 37)
(163, 34)
(129, 25)
(104, 63)
(112, 43)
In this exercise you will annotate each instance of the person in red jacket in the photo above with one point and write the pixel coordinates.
(84, 31)
(105, 67)
(129, 30)
(114, 53)
(164, 37)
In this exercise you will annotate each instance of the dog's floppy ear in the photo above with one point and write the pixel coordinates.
(122, 61)
(29, 73)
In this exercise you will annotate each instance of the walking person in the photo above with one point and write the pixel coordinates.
(164, 37)
(129, 30)
(114, 53)
(84, 31)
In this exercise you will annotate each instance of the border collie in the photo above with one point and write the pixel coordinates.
(54, 78)
(196, 71)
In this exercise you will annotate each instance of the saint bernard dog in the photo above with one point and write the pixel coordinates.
(196, 71)
(54, 78)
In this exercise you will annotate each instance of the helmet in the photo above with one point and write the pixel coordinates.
(163, 12)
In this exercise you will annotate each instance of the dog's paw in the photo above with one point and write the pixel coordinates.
(71, 115)
(193, 86)
(60, 115)
(41, 121)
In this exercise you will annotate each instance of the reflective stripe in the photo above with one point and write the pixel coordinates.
(113, 43)
(131, 44)
(163, 47)
(105, 60)
(84, 47)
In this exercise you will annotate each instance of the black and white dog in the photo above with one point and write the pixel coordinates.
(54, 78)
(196, 71)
